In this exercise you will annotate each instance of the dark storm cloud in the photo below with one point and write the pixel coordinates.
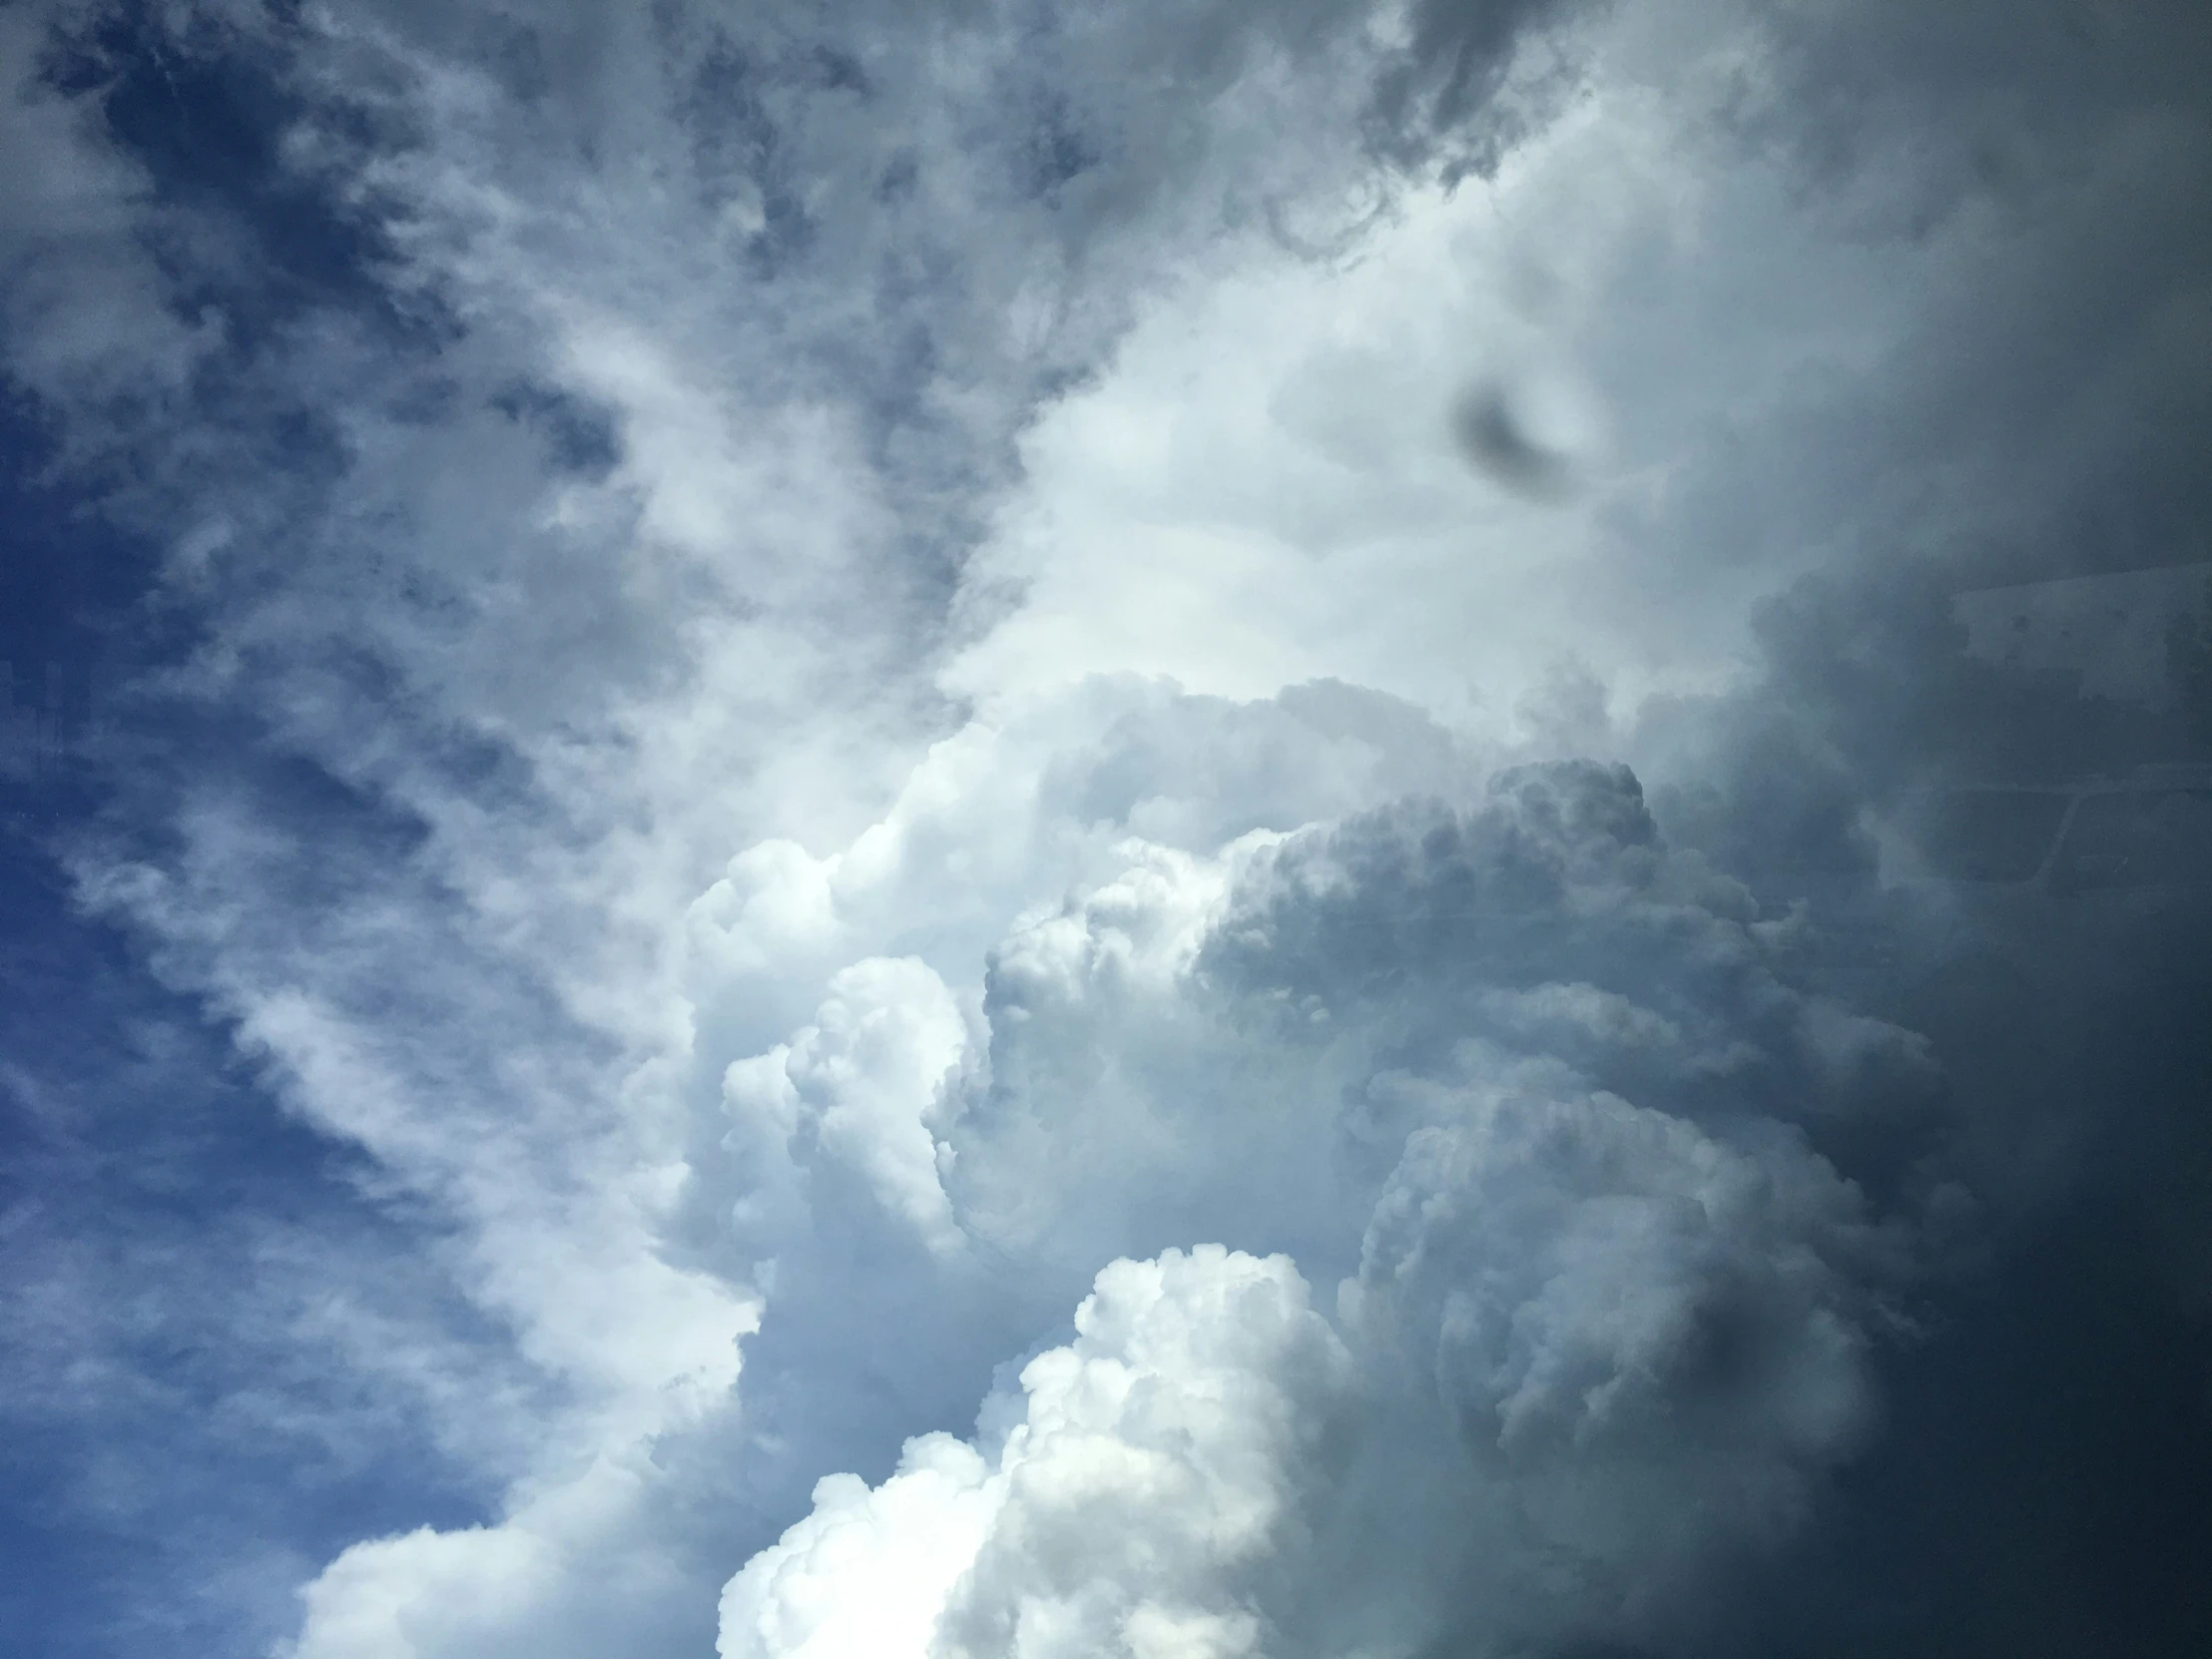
(2053, 425)
(1555, 920)
(2068, 1028)
(2060, 150)
(1435, 104)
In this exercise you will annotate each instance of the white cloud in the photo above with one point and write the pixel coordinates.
(861, 1089)
(1151, 1467)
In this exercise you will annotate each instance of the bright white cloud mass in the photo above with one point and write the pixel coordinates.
(1089, 833)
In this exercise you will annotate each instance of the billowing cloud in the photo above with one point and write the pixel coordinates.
(1590, 1350)
(1565, 1319)
(1651, 1337)
(1140, 1496)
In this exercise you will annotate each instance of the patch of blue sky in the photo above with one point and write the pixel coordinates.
(186, 1424)
(188, 1272)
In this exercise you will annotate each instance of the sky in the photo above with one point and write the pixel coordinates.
(1142, 832)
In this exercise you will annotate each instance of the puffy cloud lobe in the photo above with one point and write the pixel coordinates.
(1132, 1508)
(1240, 1045)
(1121, 1109)
(860, 1093)
(1652, 1340)
(1553, 919)
(867, 1572)
(1000, 813)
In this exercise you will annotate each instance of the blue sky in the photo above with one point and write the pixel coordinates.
(993, 830)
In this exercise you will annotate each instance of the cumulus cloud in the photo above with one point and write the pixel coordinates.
(860, 1090)
(1136, 1503)
(1555, 920)
(1628, 1323)
(1247, 1043)
(1589, 1351)
(1564, 1317)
